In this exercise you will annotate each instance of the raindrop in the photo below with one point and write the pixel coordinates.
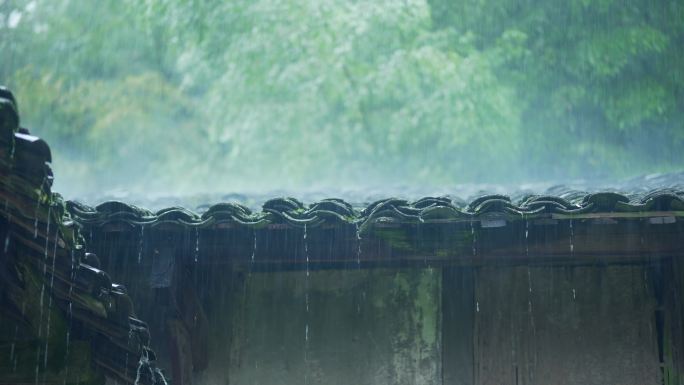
(68, 330)
(142, 237)
(527, 233)
(196, 244)
(306, 301)
(574, 294)
(472, 233)
(572, 236)
(477, 306)
(358, 247)
(35, 222)
(160, 376)
(126, 365)
(144, 362)
(37, 364)
(52, 284)
(529, 280)
(9, 220)
(255, 246)
(40, 326)
(306, 251)
(47, 240)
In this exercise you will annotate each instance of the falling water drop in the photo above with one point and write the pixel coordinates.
(140, 246)
(126, 365)
(71, 291)
(196, 244)
(472, 233)
(42, 289)
(306, 300)
(52, 284)
(35, 222)
(306, 251)
(358, 246)
(529, 279)
(527, 243)
(572, 236)
(37, 364)
(9, 220)
(574, 294)
(16, 334)
(161, 376)
(254, 247)
(47, 241)
(142, 362)
(68, 330)
(477, 306)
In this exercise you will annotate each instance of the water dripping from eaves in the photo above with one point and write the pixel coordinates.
(472, 235)
(141, 244)
(306, 304)
(49, 310)
(197, 244)
(306, 250)
(35, 221)
(254, 247)
(47, 238)
(42, 290)
(572, 240)
(9, 220)
(358, 246)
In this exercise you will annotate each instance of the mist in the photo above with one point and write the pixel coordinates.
(345, 98)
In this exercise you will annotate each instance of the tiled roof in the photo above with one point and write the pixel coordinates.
(556, 201)
(41, 243)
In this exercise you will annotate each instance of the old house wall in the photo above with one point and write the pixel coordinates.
(470, 324)
(565, 325)
(375, 327)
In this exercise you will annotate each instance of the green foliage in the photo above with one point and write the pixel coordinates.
(189, 95)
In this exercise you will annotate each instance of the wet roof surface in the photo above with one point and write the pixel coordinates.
(662, 192)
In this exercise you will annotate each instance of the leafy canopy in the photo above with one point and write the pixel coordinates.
(185, 95)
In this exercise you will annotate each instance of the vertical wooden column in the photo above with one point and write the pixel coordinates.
(458, 309)
(672, 333)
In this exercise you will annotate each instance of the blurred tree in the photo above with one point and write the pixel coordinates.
(284, 93)
(601, 81)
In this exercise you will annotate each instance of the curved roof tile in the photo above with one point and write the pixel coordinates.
(290, 211)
